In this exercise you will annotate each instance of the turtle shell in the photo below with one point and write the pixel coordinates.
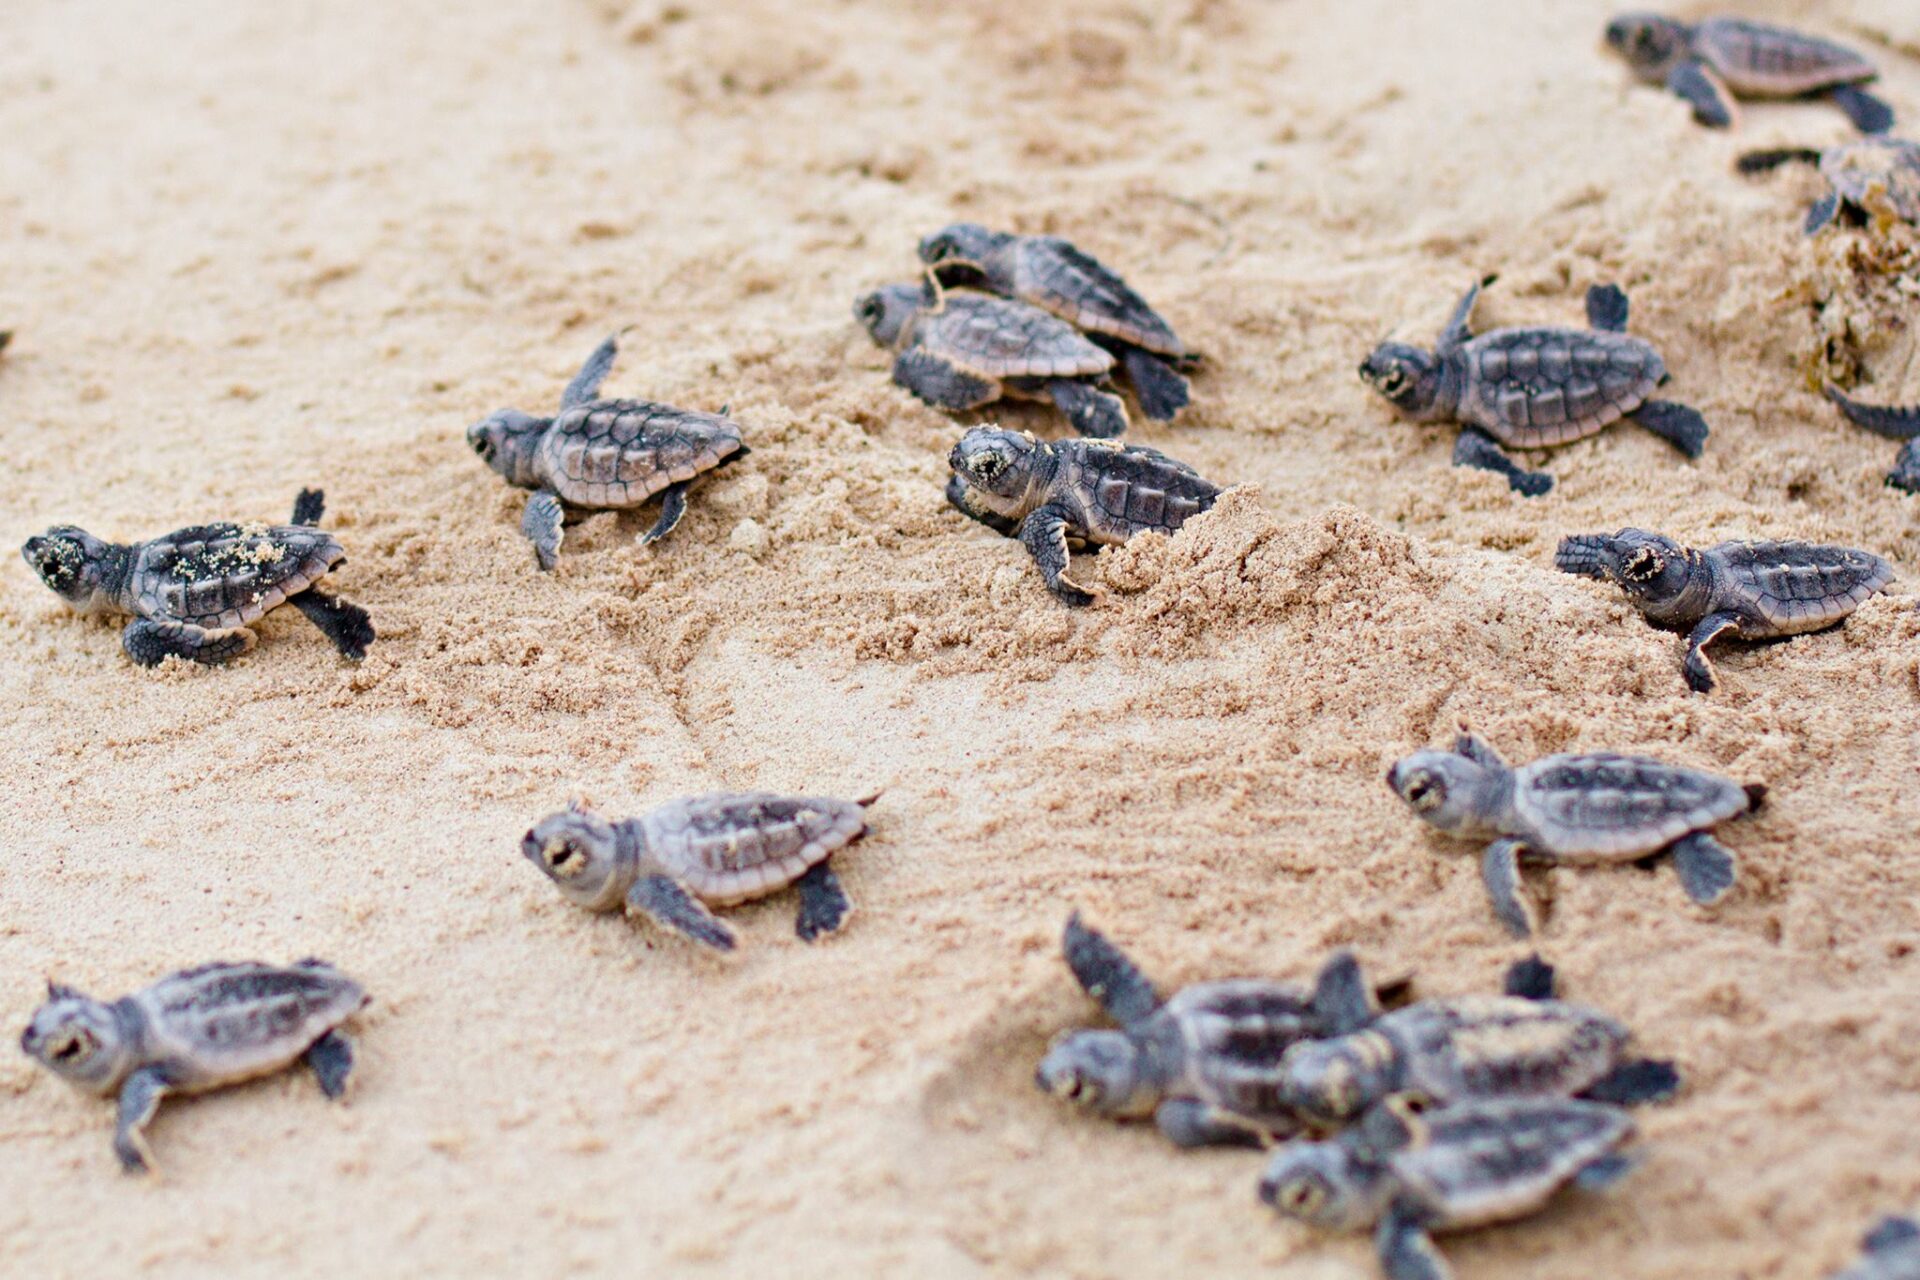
(1497, 1160)
(727, 847)
(1530, 387)
(1052, 274)
(224, 1022)
(1607, 808)
(226, 575)
(1233, 1034)
(1876, 169)
(999, 338)
(1796, 586)
(1762, 61)
(619, 453)
(1501, 1047)
(1127, 489)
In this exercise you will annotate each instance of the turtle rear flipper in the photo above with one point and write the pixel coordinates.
(1705, 867)
(347, 625)
(309, 505)
(1633, 1083)
(1868, 113)
(1530, 979)
(824, 905)
(1677, 424)
(1607, 308)
(1161, 391)
(1106, 974)
(331, 1060)
(1094, 413)
(1704, 91)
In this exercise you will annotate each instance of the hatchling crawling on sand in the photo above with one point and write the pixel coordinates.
(1533, 387)
(196, 1030)
(1710, 63)
(1069, 494)
(194, 592)
(1408, 1174)
(1895, 423)
(1875, 176)
(1746, 590)
(672, 863)
(1054, 275)
(958, 350)
(1575, 809)
(603, 455)
(1203, 1063)
(1891, 1252)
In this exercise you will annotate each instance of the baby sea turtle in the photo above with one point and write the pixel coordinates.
(958, 350)
(193, 1031)
(1747, 590)
(1874, 175)
(1532, 387)
(194, 592)
(1204, 1063)
(1892, 1252)
(1468, 1047)
(1711, 63)
(671, 863)
(1070, 494)
(1893, 422)
(1408, 1174)
(603, 455)
(1575, 809)
(1054, 275)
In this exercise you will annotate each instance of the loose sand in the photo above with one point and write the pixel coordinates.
(250, 248)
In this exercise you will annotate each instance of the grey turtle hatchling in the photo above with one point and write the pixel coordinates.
(1575, 809)
(1710, 63)
(1054, 275)
(196, 1030)
(958, 350)
(1068, 494)
(1203, 1063)
(1408, 1175)
(1895, 423)
(673, 862)
(1892, 1252)
(1533, 387)
(603, 455)
(194, 592)
(1865, 178)
(1746, 590)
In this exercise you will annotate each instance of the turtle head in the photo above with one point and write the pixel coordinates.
(78, 1039)
(72, 562)
(966, 243)
(1408, 376)
(506, 442)
(886, 311)
(997, 467)
(1100, 1071)
(1651, 568)
(1448, 790)
(1331, 1081)
(1324, 1184)
(1650, 42)
(580, 851)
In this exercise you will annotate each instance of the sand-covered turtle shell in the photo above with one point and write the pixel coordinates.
(1614, 807)
(223, 1022)
(1538, 386)
(1496, 1160)
(1758, 60)
(225, 574)
(1000, 338)
(619, 453)
(1875, 170)
(727, 847)
(1796, 586)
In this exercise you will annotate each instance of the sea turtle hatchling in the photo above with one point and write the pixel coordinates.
(1864, 178)
(958, 350)
(1533, 387)
(1574, 809)
(1408, 1175)
(1712, 62)
(1202, 1063)
(1895, 423)
(673, 862)
(603, 455)
(1891, 1252)
(196, 1030)
(1056, 276)
(1070, 493)
(1746, 590)
(194, 592)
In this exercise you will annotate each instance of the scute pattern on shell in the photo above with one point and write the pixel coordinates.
(226, 574)
(225, 1021)
(1075, 286)
(1760, 60)
(1617, 806)
(1128, 490)
(1003, 339)
(1545, 386)
(1492, 1161)
(1502, 1046)
(1248, 1022)
(619, 453)
(728, 847)
(1798, 586)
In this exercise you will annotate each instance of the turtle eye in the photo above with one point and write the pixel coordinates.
(1643, 565)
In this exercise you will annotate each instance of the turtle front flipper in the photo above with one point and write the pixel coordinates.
(1698, 668)
(1189, 1123)
(1822, 212)
(1161, 391)
(824, 905)
(1892, 421)
(586, 383)
(673, 505)
(1460, 324)
(1406, 1251)
(541, 523)
(1104, 972)
(1044, 534)
(139, 1099)
(1500, 870)
(1677, 424)
(1704, 91)
(1607, 308)
(1869, 114)
(1476, 449)
(1635, 1083)
(1705, 867)
(1530, 979)
(942, 383)
(1905, 475)
(1342, 1001)
(330, 1058)
(309, 505)
(148, 642)
(1098, 414)
(667, 902)
(347, 625)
